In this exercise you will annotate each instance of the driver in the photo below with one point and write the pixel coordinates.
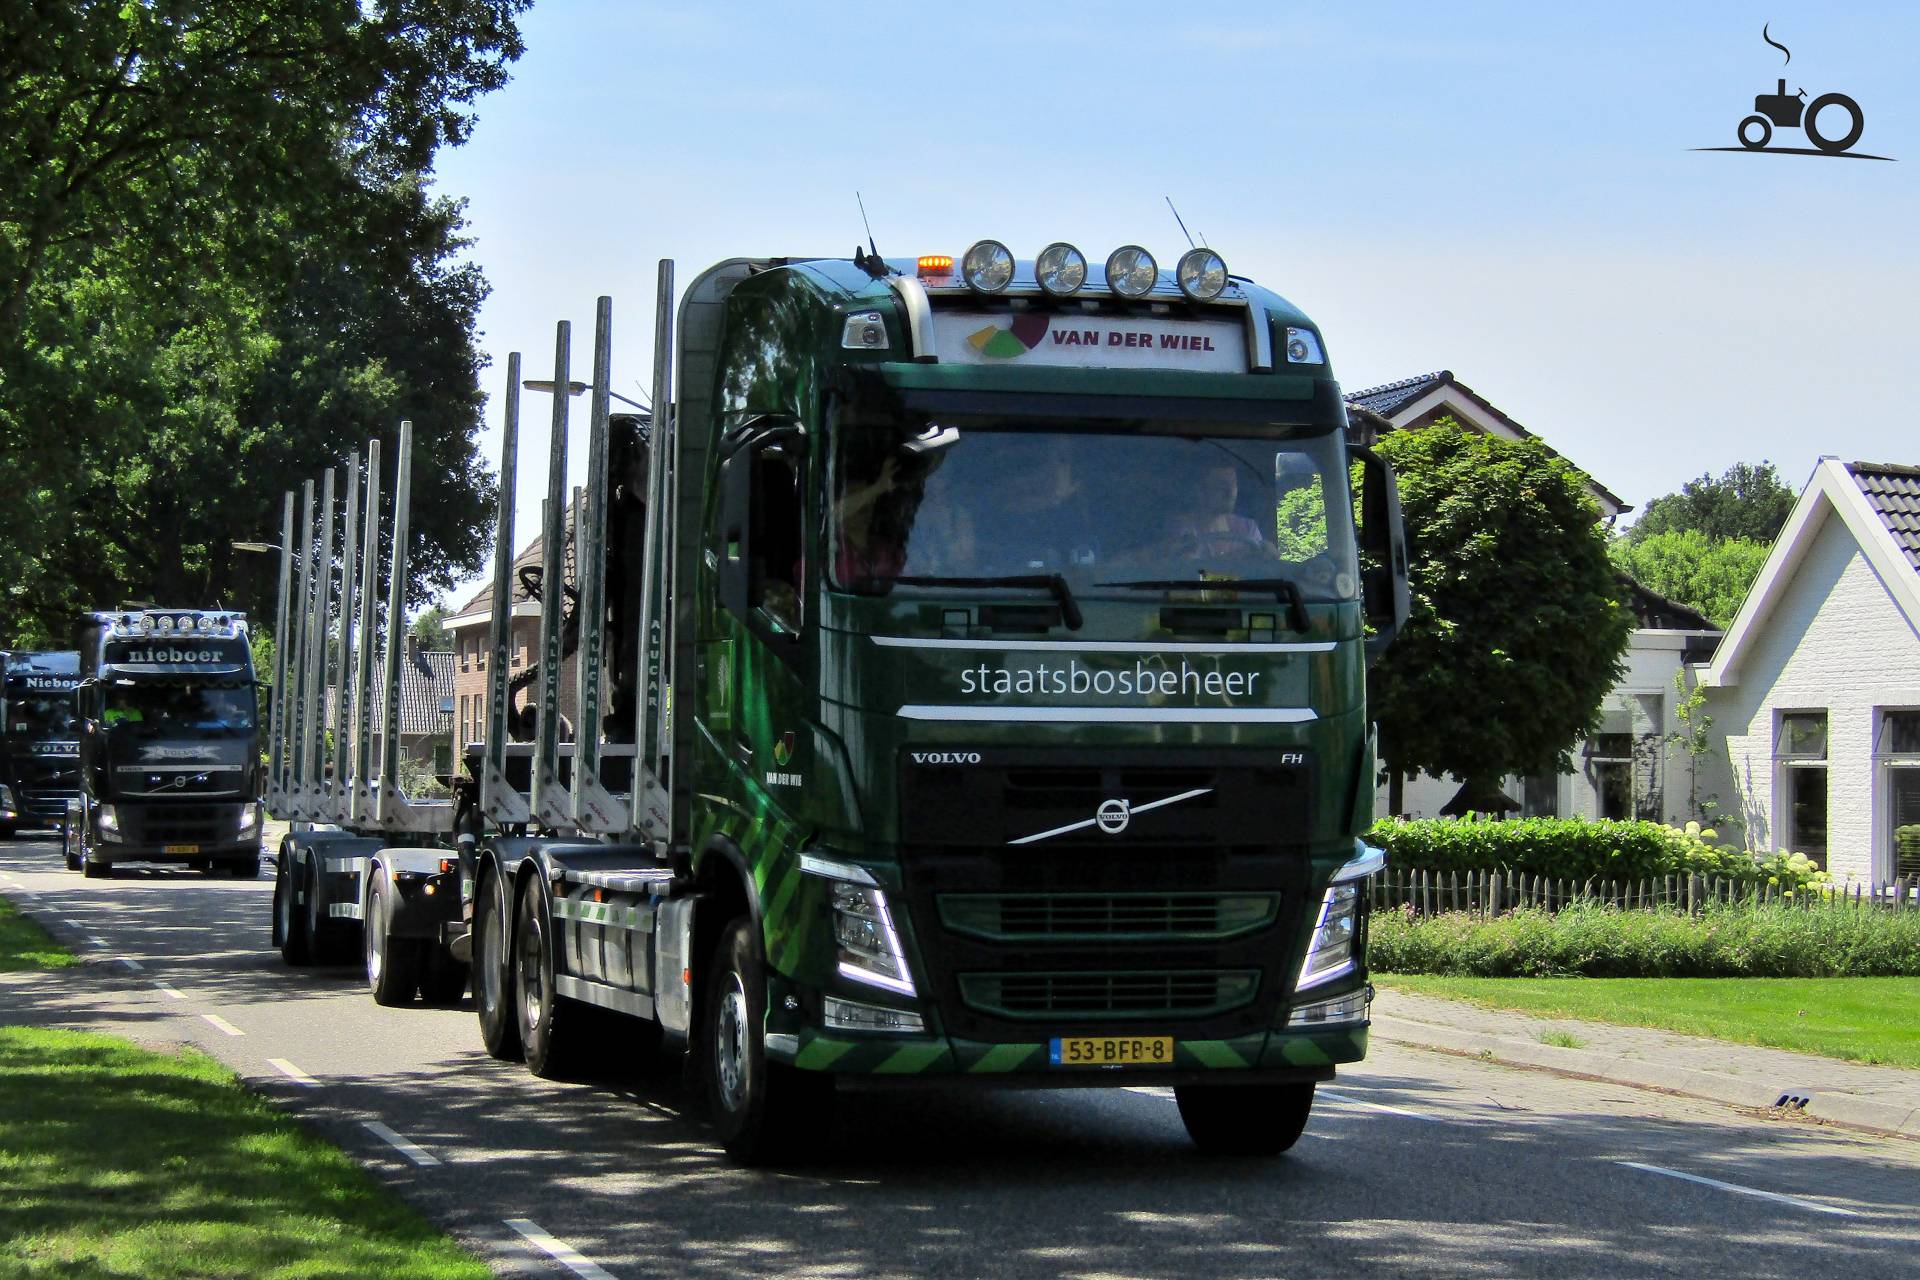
(1212, 525)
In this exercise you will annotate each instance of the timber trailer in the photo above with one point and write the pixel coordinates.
(970, 665)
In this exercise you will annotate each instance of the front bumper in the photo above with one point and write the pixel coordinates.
(173, 832)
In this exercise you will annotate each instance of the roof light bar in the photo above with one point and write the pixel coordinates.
(988, 267)
(1131, 271)
(1061, 269)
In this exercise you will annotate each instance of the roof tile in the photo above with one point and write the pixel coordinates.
(1893, 490)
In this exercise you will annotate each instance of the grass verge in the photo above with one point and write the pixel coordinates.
(25, 945)
(119, 1161)
(1861, 1019)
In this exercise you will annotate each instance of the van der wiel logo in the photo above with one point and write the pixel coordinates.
(1832, 122)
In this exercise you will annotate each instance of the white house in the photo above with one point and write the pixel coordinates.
(1631, 767)
(1816, 686)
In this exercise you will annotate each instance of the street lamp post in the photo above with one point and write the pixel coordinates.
(575, 387)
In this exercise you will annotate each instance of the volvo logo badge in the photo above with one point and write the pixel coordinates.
(1113, 816)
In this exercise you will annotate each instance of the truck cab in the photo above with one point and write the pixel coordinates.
(39, 745)
(169, 745)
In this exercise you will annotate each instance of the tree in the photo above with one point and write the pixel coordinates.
(430, 629)
(1688, 566)
(1746, 502)
(1516, 631)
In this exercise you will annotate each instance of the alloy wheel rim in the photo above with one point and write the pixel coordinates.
(535, 994)
(730, 1044)
(374, 929)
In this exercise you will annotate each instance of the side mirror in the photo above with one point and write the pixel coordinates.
(1383, 543)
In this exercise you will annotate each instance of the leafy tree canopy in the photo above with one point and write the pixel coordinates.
(1749, 502)
(1688, 566)
(430, 629)
(1517, 628)
(221, 271)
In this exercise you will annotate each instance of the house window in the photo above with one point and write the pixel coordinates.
(1540, 795)
(1897, 748)
(1623, 759)
(1800, 752)
(463, 719)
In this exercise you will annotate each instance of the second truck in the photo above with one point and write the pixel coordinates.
(969, 665)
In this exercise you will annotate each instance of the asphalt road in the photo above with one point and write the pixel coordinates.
(1415, 1164)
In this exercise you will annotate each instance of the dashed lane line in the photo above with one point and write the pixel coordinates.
(170, 992)
(1811, 1206)
(96, 942)
(221, 1024)
(559, 1250)
(1350, 1100)
(293, 1073)
(411, 1150)
(133, 965)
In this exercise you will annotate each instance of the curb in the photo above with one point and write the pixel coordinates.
(1897, 1119)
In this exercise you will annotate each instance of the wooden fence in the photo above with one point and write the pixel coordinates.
(1491, 892)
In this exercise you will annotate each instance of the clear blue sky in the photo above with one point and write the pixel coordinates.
(1505, 191)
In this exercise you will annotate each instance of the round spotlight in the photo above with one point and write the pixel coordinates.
(1202, 274)
(1061, 269)
(988, 267)
(1132, 272)
(188, 624)
(164, 626)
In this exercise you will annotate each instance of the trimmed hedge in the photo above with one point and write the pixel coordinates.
(1826, 941)
(1576, 849)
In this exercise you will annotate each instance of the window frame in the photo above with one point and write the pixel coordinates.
(1785, 766)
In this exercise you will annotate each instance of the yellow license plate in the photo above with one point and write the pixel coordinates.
(1112, 1051)
(182, 848)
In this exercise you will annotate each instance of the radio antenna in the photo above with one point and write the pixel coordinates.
(1183, 225)
(872, 264)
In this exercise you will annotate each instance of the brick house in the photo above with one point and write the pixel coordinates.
(471, 629)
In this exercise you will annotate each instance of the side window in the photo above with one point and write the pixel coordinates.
(775, 529)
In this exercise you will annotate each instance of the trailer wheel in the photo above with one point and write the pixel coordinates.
(767, 1113)
(492, 979)
(556, 1033)
(1246, 1119)
(327, 942)
(289, 925)
(394, 965)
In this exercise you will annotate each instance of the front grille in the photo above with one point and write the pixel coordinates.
(1084, 996)
(1066, 917)
(48, 802)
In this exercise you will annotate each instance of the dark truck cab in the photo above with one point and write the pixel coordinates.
(169, 744)
(39, 749)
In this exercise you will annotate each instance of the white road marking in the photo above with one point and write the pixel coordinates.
(293, 1073)
(1151, 1090)
(96, 942)
(71, 924)
(411, 1150)
(134, 965)
(221, 1024)
(1380, 1106)
(1812, 1206)
(169, 991)
(559, 1250)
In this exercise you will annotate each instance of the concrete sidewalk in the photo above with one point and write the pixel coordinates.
(1881, 1099)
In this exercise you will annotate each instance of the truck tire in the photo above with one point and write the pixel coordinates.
(328, 941)
(67, 847)
(95, 870)
(1246, 1119)
(6, 831)
(289, 920)
(492, 976)
(245, 868)
(444, 979)
(393, 965)
(766, 1112)
(556, 1034)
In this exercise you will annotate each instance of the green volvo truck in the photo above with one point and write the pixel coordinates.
(970, 666)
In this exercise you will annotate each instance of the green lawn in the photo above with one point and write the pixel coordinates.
(119, 1161)
(25, 945)
(1865, 1019)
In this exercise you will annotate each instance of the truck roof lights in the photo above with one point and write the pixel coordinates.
(1132, 272)
(1061, 269)
(988, 267)
(935, 264)
(1202, 274)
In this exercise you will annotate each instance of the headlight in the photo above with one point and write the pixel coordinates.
(1303, 347)
(107, 822)
(250, 819)
(869, 946)
(6, 797)
(1061, 269)
(1331, 952)
(1132, 272)
(988, 267)
(1202, 274)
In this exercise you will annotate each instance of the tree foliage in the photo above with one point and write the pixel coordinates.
(1689, 566)
(430, 629)
(1516, 631)
(220, 271)
(1747, 502)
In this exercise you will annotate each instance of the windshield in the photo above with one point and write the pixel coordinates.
(1111, 511)
(164, 708)
(41, 716)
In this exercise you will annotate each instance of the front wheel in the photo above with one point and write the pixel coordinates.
(767, 1113)
(245, 868)
(1751, 140)
(68, 848)
(1245, 1119)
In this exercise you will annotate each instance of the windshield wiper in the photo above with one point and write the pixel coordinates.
(1069, 607)
(1284, 589)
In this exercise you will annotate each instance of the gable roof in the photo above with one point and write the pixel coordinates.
(1415, 402)
(1879, 503)
(479, 607)
(426, 686)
